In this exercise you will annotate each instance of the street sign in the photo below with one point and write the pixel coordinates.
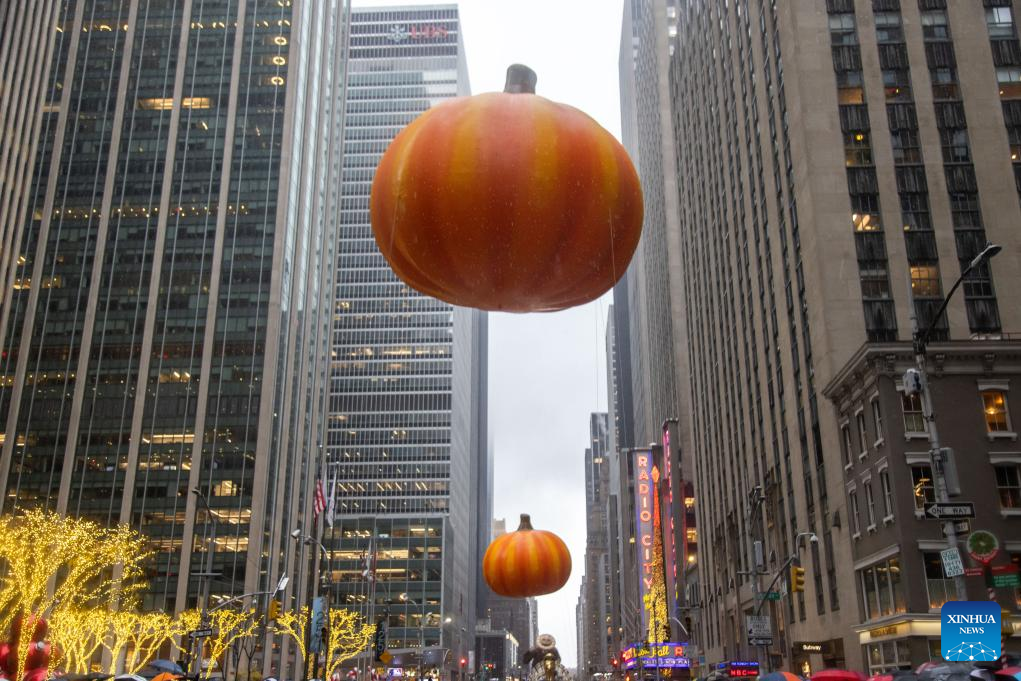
(759, 627)
(768, 596)
(947, 511)
(385, 657)
(952, 564)
(960, 527)
(1009, 579)
(200, 633)
(760, 641)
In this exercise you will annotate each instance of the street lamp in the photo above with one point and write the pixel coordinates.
(323, 586)
(920, 339)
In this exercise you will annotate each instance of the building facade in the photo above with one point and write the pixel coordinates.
(168, 260)
(890, 483)
(596, 645)
(407, 443)
(837, 157)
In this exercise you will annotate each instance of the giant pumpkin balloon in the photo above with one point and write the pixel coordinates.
(527, 562)
(507, 201)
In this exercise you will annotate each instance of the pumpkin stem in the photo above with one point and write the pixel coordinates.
(520, 79)
(526, 522)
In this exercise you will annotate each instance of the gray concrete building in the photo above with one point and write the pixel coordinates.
(168, 217)
(597, 643)
(408, 444)
(828, 154)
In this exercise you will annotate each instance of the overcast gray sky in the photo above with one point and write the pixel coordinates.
(546, 371)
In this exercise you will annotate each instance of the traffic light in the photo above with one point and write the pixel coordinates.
(273, 611)
(464, 661)
(614, 662)
(797, 578)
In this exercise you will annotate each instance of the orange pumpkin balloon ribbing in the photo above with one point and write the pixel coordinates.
(507, 201)
(527, 562)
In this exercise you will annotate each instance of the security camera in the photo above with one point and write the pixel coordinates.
(814, 539)
(296, 533)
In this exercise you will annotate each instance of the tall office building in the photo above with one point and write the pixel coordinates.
(596, 645)
(169, 252)
(407, 433)
(829, 154)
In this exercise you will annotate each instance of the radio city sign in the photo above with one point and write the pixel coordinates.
(399, 34)
(655, 655)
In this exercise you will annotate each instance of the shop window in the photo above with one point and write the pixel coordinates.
(939, 587)
(921, 481)
(882, 591)
(888, 657)
(994, 403)
(914, 421)
(1008, 485)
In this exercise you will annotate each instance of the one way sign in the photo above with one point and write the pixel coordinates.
(945, 511)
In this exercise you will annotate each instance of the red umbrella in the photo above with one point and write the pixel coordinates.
(881, 677)
(838, 675)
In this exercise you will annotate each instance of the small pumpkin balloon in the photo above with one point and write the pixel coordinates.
(507, 201)
(527, 562)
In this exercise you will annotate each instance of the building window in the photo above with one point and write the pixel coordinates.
(884, 481)
(877, 420)
(955, 145)
(1000, 22)
(921, 481)
(855, 521)
(914, 420)
(994, 404)
(1009, 78)
(848, 447)
(849, 87)
(888, 28)
(897, 85)
(857, 148)
(842, 30)
(870, 506)
(881, 590)
(925, 281)
(944, 83)
(863, 447)
(1008, 484)
(940, 589)
(888, 657)
(906, 148)
(935, 25)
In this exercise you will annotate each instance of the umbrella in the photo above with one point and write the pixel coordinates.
(165, 666)
(130, 677)
(945, 671)
(837, 675)
(781, 676)
(166, 676)
(86, 677)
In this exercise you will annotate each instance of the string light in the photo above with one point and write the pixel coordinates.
(293, 623)
(349, 634)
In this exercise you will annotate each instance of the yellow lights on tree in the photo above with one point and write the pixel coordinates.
(57, 563)
(228, 626)
(655, 600)
(349, 634)
(293, 623)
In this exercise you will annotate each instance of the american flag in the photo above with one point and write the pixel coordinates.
(320, 501)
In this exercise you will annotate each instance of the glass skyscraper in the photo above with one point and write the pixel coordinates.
(168, 264)
(407, 428)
